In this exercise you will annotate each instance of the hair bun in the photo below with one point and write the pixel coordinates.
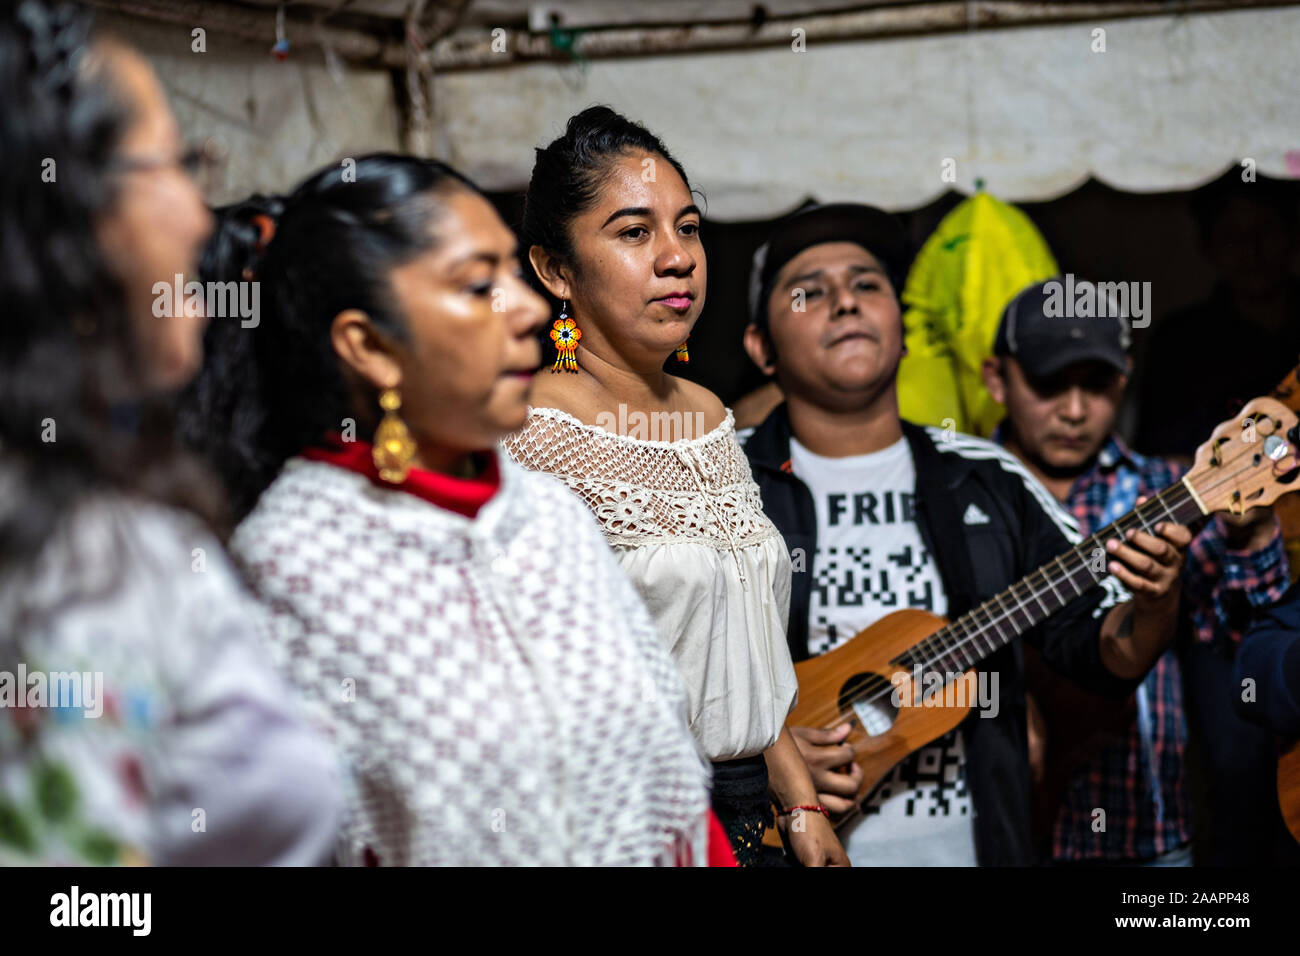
(243, 232)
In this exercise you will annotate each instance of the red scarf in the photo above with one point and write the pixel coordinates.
(464, 496)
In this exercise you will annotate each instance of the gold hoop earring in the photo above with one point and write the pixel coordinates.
(394, 447)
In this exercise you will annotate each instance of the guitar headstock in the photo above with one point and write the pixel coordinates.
(1250, 461)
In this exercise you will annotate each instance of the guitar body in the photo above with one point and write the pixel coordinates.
(1288, 787)
(827, 682)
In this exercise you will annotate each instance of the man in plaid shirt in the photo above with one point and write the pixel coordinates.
(1125, 796)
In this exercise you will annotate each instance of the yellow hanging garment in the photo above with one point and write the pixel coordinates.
(980, 255)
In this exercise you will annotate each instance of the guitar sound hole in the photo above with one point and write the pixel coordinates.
(871, 698)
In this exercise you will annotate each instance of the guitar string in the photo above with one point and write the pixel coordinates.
(927, 646)
(877, 686)
(886, 687)
(855, 809)
(1095, 539)
(1005, 615)
(1034, 592)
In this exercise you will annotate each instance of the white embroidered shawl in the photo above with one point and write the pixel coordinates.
(498, 686)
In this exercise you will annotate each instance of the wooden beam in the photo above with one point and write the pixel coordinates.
(354, 45)
(465, 51)
(472, 49)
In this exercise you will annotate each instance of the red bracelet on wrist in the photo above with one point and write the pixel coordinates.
(810, 807)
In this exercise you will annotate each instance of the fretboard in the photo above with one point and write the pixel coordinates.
(975, 635)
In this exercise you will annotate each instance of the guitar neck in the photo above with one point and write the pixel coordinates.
(975, 635)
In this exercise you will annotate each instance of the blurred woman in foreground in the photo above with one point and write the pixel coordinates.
(139, 721)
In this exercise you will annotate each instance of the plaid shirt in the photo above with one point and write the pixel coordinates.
(1147, 812)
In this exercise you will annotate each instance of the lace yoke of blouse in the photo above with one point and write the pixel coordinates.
(651, 492)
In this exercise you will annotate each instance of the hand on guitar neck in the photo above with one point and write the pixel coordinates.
(1135, 634)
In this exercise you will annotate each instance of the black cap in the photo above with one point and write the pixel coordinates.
(1046, 331)
(875, 230)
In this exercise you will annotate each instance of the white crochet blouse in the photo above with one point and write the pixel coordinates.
(497, 686)
(686, 521)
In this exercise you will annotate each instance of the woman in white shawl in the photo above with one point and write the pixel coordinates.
(454, 621)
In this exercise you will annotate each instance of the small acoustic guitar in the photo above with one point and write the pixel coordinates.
(908, 679)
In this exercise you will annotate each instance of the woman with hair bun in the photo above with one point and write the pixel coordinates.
(419, 581)
(613, 234)
(140, 721)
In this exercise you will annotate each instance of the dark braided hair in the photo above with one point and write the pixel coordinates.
(68, 353)
(268, 391)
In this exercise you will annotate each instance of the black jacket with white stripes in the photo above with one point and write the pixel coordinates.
(1026, 529)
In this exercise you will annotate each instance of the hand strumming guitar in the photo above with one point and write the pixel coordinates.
(808, 835)
(830, 761)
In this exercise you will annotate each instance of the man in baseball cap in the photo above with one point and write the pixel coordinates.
(872, 231)
(1061, 372)
(1062, 377)
(811, 254)
(881, 515)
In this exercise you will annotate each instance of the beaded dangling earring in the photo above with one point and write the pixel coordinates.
(683, 354)
(394, 447)
(565, 334)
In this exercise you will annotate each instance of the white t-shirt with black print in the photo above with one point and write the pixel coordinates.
(871, 561)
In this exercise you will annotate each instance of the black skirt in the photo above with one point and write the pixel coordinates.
(742, 805)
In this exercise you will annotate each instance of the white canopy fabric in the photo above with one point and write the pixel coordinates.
(1032, 112)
